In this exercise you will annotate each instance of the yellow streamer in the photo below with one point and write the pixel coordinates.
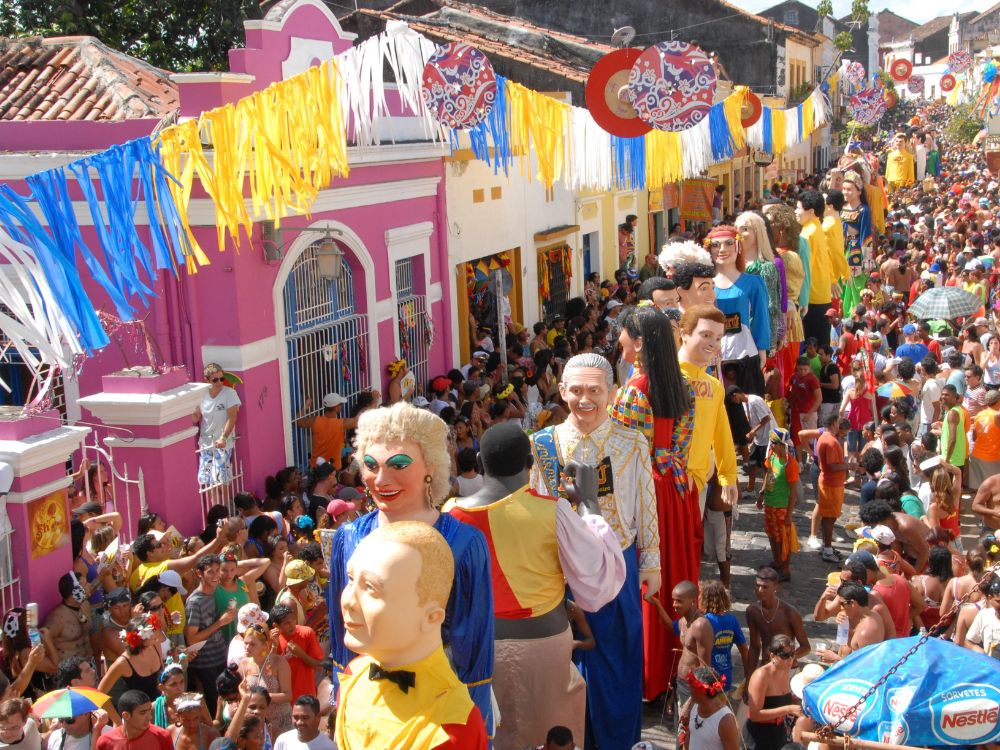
(539, 120)
(778, 130)
(664, 159)
(808, 126)
(732, 105)
(289, 140)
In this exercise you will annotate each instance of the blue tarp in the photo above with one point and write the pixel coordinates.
(943, 696)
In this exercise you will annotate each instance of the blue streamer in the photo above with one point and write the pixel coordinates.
(51, 193)
(494, 128)
(765, 119)
(718, 128)
(798, 112)
(630, 162)
(60, 269)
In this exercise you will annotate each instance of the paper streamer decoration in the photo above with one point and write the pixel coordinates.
(960, 61)
(915, 85)
(856, 73)
(867, 106)
(672, 85)
(608, 97)
(459, 85)
(947, 82)
(900, 70)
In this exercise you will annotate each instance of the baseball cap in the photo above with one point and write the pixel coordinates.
(909, 329)
(298, 571)
(935, 267)
(882, 535)
(780, 436)
(420, 402)
(612, 304)
(480, 354)
(981, 321)
(331, 400)
(350, 494)
(250, 614)
(337, 507)
(172, 579)
(118, 595)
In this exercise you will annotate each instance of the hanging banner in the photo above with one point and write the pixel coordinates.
(696, 199)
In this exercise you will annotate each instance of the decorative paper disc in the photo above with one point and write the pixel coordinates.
(752, 109)
(608, 97)
(856, 73)
(900, 70)
(672, 85)
(891, 100)
(947, 82)
(458, 85)
(960, 61)
(915, 85)
(867, 106)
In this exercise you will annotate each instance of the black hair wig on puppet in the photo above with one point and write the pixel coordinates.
(505, 450)
(669, 393)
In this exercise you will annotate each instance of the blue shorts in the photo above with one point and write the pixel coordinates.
(854, 441)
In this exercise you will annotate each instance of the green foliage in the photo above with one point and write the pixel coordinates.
(177, 35)
(825, 8)
(887, 82)
(852, 128)
(964, 124)
(859, 12)
(843, 41)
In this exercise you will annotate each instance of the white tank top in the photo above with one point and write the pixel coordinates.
(704, 733)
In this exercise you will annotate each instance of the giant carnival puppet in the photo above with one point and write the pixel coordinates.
(859, 238)
(405, 467)
(658, 402)
(538, 545)
(613, 670)
(402, 691)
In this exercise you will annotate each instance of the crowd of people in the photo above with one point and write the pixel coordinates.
(602, 451)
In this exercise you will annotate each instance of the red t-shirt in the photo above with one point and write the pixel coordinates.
(154, 738)
(896, 595)
(303, 675)
(802, 392)
(829, 451)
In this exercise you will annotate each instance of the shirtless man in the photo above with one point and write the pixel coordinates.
(986, 503)
(855, 571)
(696, 634)
(69, 622)
(866, 626)
(770, 617)
(910, 532)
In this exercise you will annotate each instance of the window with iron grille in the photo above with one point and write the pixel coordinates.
(412, 321)
(20, 380)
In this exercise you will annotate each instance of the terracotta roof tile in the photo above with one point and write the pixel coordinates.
(79, 78)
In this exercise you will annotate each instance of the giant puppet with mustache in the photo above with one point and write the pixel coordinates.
(613, 670)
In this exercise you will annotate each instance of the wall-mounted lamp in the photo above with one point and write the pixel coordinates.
(329, 257)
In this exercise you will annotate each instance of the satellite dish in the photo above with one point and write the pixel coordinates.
(506, 282)
(623, 37)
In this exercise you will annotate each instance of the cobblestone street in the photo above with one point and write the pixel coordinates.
(750, 551)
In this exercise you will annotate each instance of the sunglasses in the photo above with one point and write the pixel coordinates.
(785, 654)
(155, 609)
(215, 380)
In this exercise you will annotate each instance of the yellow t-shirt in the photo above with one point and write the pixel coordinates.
(820, 265)
(145, 571)
(899, 167)
(711, 430)
(833, 228)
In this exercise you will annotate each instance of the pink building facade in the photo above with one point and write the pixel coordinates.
(268, 311)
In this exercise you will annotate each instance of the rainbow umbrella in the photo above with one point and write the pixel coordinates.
(893, 390)
(68, 702)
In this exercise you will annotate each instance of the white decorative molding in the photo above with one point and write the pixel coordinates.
(189, 432)
(434, 292)
(220, 77)
(266, 25)
(385, 309)
(23, 498)
(42, 451)
(412, 233)
(242, 357)
(304, 54)
(146, 409)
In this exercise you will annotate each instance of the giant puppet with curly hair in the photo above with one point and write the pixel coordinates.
(405, 468)
(613, 670)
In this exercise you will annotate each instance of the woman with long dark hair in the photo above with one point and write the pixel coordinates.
(658, 401)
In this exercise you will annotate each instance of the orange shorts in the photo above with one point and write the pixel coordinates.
(831, 500)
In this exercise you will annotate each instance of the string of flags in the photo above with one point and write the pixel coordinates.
(651, 120)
